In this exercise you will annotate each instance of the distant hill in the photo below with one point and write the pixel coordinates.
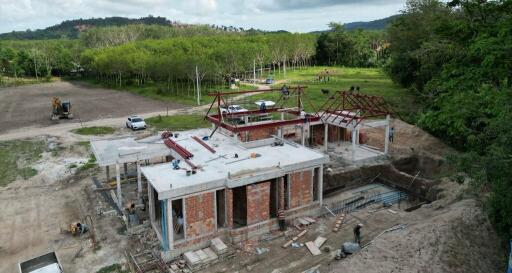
(71, 28)
(371, 25)
(379, 24)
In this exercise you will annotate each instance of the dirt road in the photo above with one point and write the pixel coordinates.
(30, 105)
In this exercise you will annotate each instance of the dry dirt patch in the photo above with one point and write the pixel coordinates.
(30, 105)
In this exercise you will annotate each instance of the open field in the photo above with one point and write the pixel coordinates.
(372, 81)
(30, 105)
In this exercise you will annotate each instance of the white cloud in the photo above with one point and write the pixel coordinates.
(293, 15)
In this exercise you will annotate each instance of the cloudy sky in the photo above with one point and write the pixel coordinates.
(292, 15)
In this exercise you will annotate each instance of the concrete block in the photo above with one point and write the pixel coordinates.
(218, 246)
(191, 258)
(211, 254)
(203, 256)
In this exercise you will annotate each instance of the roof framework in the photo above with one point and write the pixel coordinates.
(222, 119)
(348, 109)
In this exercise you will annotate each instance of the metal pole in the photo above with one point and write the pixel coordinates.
(254, 70)
(198, 90)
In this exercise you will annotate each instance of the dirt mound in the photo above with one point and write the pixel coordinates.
(445, 236)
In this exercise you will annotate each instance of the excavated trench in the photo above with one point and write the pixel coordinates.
(414, 176)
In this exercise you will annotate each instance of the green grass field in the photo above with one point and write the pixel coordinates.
(372, 81)
(94, 130)
(177, 122)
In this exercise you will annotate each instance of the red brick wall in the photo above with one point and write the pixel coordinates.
(200, 214)
(229, 208)
(300, 189)
(258, 134)
(258, 198)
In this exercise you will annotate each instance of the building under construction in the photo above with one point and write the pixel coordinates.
(231, 180)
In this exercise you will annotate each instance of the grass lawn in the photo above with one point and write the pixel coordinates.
(10, 81)
(16, 158)
(372, 81)
(177, 122)
(94, 130)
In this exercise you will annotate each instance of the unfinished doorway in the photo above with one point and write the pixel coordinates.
(274, 198)
(177, 219)
(240, 207)
(286, 192)
(220, 197)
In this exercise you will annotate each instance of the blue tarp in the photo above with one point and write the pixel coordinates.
(510, 259)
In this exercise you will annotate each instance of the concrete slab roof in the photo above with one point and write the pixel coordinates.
(128, 149)
(222, 169)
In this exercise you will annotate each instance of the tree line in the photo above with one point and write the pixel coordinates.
(457, 58)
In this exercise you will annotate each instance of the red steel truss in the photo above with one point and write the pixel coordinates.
(346, 107)
(218, 118)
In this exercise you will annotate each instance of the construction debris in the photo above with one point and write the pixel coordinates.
(295, 238)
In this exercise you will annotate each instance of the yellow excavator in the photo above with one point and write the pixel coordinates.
(61, 109)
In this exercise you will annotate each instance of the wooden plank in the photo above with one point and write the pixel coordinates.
(313, 248)
(319, 241)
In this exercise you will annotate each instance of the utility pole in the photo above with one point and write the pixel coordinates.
(198, 88)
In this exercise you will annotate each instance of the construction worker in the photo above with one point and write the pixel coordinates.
(391, 134)
(82, 228)
(357, 233)
(285, 91)
(280, 218)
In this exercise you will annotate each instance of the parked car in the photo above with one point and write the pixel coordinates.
(136, 123)
(232, 109)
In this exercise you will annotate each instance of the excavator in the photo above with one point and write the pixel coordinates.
(61, 109)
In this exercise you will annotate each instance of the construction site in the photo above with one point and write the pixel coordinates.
(280, 187)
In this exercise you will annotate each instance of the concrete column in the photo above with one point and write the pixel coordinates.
(282, 115)
(354, 145)
(281, 193)
(386, 140)
(321, 184)
(139, 182)
(151, 201)
(125, 171)
(107, 169)
(303, 134)
(326, 136)
(170, 224)
(119, 193)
